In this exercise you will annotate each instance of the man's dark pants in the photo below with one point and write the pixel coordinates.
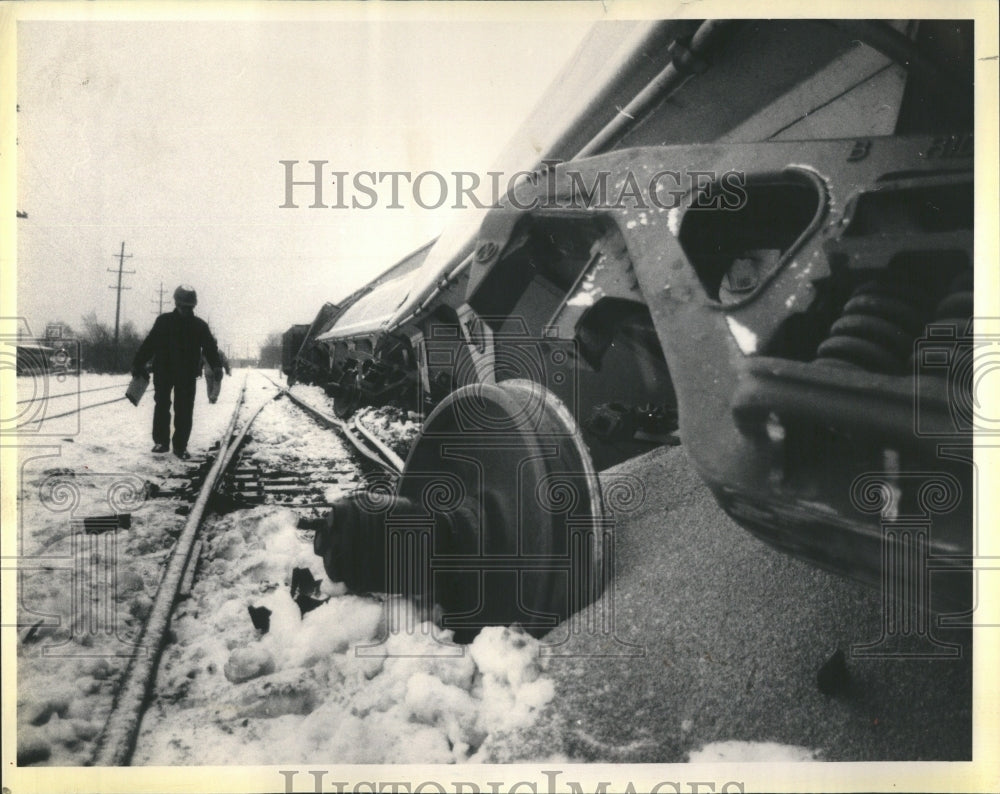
(184, 392)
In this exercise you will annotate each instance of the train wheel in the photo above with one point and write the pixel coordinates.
(502, 477)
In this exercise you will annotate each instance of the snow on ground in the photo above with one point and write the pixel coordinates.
(344, 682)
(314, 396)
(358, 679)
(83, 598)
(394, 426)
(288, 438)
(751, 752)
(355, 680)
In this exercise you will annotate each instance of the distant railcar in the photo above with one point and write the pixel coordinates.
(320, 361)
(376, 346)
(291, 342)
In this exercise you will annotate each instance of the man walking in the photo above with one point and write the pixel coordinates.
(176, 343)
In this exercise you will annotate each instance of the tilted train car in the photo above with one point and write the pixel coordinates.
(373, 359)
(319, 359)
(409, 338)
(303, 361)
(763, 226)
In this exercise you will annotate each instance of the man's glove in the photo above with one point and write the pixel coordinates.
(140, 372)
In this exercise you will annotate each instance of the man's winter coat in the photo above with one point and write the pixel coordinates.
(175, 344)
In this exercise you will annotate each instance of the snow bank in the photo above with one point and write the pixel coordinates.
(753, 752)
(83, 598)
(357, 679)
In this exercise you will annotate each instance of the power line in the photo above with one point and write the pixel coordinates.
(161, 299)
(118, 303)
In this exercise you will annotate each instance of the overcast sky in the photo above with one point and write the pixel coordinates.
(168, 136)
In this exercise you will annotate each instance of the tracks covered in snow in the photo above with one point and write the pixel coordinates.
(270, 660)
(365, 442)
(116, 742)
(247, 652)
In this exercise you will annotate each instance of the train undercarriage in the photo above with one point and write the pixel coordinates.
(783, 282)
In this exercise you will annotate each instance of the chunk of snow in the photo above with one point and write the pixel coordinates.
(750, 752)
(247, 663)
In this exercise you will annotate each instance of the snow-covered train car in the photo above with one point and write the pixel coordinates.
(372, 359)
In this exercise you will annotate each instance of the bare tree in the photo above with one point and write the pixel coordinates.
(270, 351)
(97, 345)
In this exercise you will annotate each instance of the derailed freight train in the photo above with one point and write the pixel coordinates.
(758, 233)
(358, 360)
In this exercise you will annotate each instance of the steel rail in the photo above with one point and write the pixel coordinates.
(361, 445)
(238, 441)
(351, 437)
(116, 742)
(227, 458)
(82, 408)
(71, 393)
(381, 446)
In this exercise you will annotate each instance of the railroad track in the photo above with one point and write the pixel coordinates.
(256, 468)
(364, 441)
(76, 393)
(38, 404)
(251, 648)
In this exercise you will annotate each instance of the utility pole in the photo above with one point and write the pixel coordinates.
(118, 303)
(161, 299)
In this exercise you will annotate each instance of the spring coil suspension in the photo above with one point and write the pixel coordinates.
(881, 320)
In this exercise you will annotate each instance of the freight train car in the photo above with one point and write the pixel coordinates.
(338, 367)
(763, 228)
(291, 343)
(371, 360)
